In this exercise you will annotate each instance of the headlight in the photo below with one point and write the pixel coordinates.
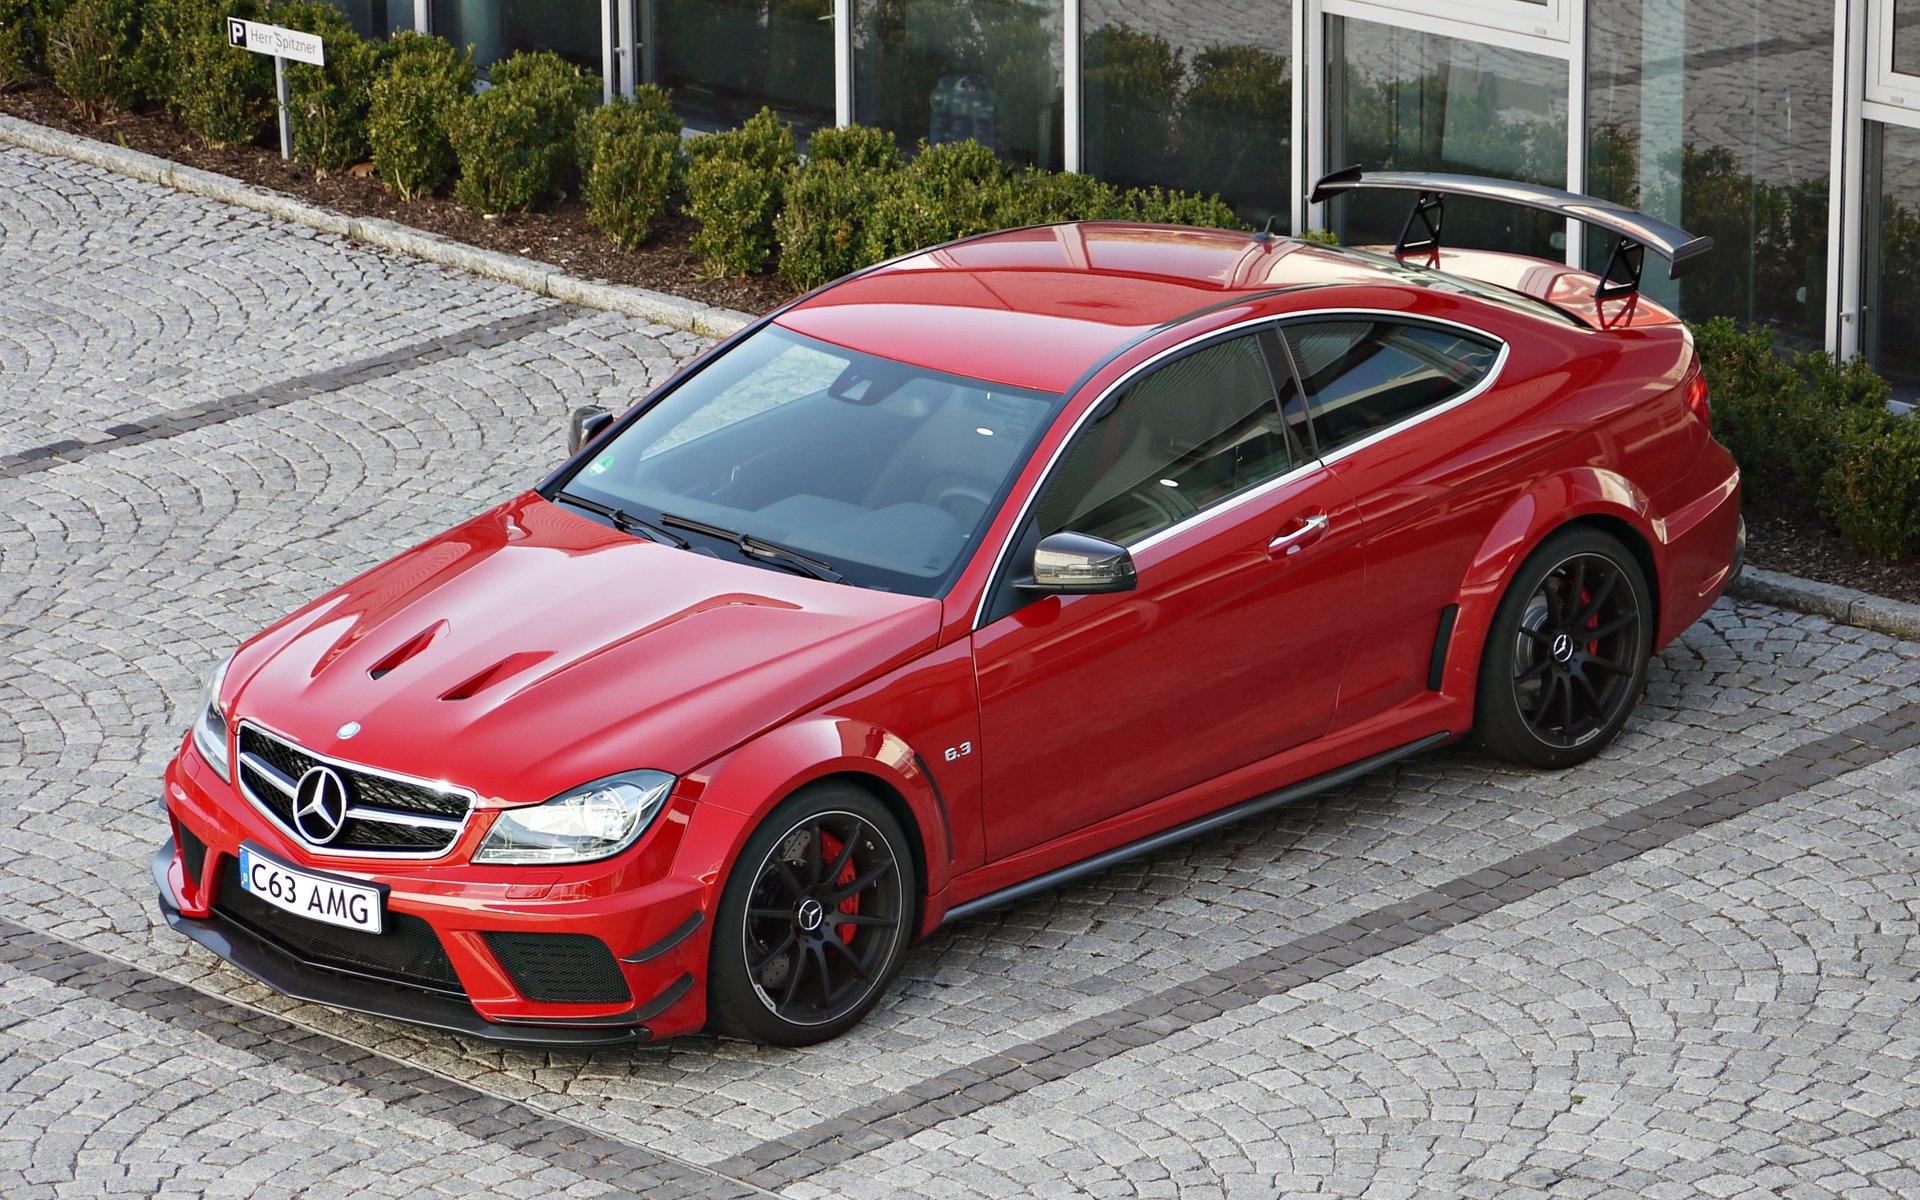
(210, 727)
(592, 821)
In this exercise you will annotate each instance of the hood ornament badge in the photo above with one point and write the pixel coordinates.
(348, 730)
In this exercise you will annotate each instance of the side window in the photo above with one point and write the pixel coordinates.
(1363, 375)
(1185, 436)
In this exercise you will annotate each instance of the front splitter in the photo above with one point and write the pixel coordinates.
(289, 975)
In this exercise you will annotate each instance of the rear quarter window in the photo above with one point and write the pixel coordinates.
(1362, 375)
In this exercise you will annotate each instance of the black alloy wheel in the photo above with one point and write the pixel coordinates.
(814, 920)
(1566, 655)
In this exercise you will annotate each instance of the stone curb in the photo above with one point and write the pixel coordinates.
(1845, 605)
(532, 274)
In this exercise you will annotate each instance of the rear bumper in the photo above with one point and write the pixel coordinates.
(284, 972)
(1704, 541)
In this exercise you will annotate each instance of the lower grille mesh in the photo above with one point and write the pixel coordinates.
(409, 952)
(193, 852)
(560, 968)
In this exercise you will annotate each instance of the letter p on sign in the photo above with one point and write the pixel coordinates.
(236, 32)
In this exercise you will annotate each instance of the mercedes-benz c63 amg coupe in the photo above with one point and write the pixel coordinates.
(964, 575)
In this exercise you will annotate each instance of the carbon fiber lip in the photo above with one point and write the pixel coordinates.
(283, 973)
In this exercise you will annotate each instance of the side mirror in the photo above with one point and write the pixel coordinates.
(1078, 564)
(585, 425)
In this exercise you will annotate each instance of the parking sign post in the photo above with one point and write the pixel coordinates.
(281, 44)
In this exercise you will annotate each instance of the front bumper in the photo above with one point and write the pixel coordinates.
(282, 971)
(460, 972)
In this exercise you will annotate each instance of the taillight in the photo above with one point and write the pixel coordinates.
(1697, 398)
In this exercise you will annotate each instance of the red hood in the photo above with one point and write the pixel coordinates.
(530, 650)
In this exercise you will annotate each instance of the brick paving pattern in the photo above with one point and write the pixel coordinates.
(1685, 969)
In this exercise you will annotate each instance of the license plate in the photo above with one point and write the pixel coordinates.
(327, 898)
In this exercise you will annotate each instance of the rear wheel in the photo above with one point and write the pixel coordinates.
(814, 919)
(1567, 652)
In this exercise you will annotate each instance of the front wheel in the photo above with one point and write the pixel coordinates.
(1567, 652)
(814, 920)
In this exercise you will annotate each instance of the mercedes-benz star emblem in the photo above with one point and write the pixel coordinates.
(1563, 647)
(810, 914)
(320, 805)
(348, 730)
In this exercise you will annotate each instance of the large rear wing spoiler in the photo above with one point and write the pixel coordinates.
(1634, 232)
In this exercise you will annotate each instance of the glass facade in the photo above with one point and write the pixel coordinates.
(725, 59)
(1719, 118)
(949, 70)
(1409, 101)
(1190, 96)
(377, 18)
(498, 28)
(1890, 303)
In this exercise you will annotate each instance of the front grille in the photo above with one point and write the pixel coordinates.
(408, 953)
(193, 852)
(560, 968)
(419, 819)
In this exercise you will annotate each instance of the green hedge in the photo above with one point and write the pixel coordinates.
(1815, 433)
(185, 63)
(630, 161)
(90, 53)
(23, 28)
(517, 141)
(329, 103)
(409, 108)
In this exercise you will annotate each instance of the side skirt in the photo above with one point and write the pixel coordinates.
(1194, 828)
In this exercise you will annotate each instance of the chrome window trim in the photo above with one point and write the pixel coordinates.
(1147, 542)
(423, 821)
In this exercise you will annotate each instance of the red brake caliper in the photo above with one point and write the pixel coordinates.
(830, 847)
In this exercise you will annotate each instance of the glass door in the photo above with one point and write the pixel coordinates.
(1486, 90)
(1889, 278)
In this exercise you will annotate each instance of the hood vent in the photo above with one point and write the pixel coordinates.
(506, 668)
(408, 649)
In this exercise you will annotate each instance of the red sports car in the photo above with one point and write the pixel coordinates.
(958, 578)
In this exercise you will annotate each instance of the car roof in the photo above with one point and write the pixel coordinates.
(1038, 307)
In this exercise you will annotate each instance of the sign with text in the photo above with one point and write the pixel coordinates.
(275, 40)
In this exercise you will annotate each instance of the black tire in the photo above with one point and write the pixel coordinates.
(1566, 655)
(814, 919)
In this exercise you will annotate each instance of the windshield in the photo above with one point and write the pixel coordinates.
(883, 472)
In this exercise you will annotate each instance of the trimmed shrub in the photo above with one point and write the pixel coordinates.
(861, 147)
(734, 189)
(1181, 208)
(821, 227)
(764, 143)
(410, 104)
(517, 142)
(1041, 197)
(947, 191)
(734, 205)
(90, 53)
(219, 93)
(24, 25)
(1871, 492)
(630, 159)
(330, 102)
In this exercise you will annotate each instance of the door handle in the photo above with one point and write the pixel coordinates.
(1295, 540)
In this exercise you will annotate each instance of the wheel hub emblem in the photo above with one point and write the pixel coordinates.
(320, 805)
(810, 914)
(1562, 648)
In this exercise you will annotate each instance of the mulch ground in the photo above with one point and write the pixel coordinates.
(1781, 538)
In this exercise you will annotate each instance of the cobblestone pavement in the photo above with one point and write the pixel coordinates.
(1689, 968)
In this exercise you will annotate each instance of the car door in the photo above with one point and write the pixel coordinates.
(1386, 401)
(1230, 646)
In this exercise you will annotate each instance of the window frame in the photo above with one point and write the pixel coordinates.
(1278, 374)
(1500, 347)
(987, 606)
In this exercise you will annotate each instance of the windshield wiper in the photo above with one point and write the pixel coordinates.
(759, 548)
(623, 520)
